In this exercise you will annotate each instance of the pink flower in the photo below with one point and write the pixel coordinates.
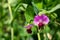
(41, 20)
(28, 27)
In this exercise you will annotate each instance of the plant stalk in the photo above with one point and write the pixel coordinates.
(38, 36)
(10, 20)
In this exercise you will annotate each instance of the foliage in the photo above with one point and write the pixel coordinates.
(17, 14)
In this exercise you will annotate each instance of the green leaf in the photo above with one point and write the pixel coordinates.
(35, 8)
(54, 8)
(39, 5)
(46, 29)
(34, 29)
(29, 14)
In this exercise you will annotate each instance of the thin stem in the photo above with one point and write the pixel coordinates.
(46, 37)
(10, 12)
(12, 33)
(10, 20)
(38, 36)
(57, 23)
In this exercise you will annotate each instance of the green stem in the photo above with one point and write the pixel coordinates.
(46, 37)
(38, 36)
(10, 12)
(12, 33)
(10, 20)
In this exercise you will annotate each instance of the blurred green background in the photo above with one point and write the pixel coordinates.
(17, 14)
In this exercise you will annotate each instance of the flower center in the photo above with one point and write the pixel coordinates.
(29, 31)
(40, 25)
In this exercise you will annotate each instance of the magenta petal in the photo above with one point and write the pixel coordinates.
(45, 19)
(29, 26)
(37, 18)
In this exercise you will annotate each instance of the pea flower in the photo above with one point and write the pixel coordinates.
(41, 20)
(28, 27)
